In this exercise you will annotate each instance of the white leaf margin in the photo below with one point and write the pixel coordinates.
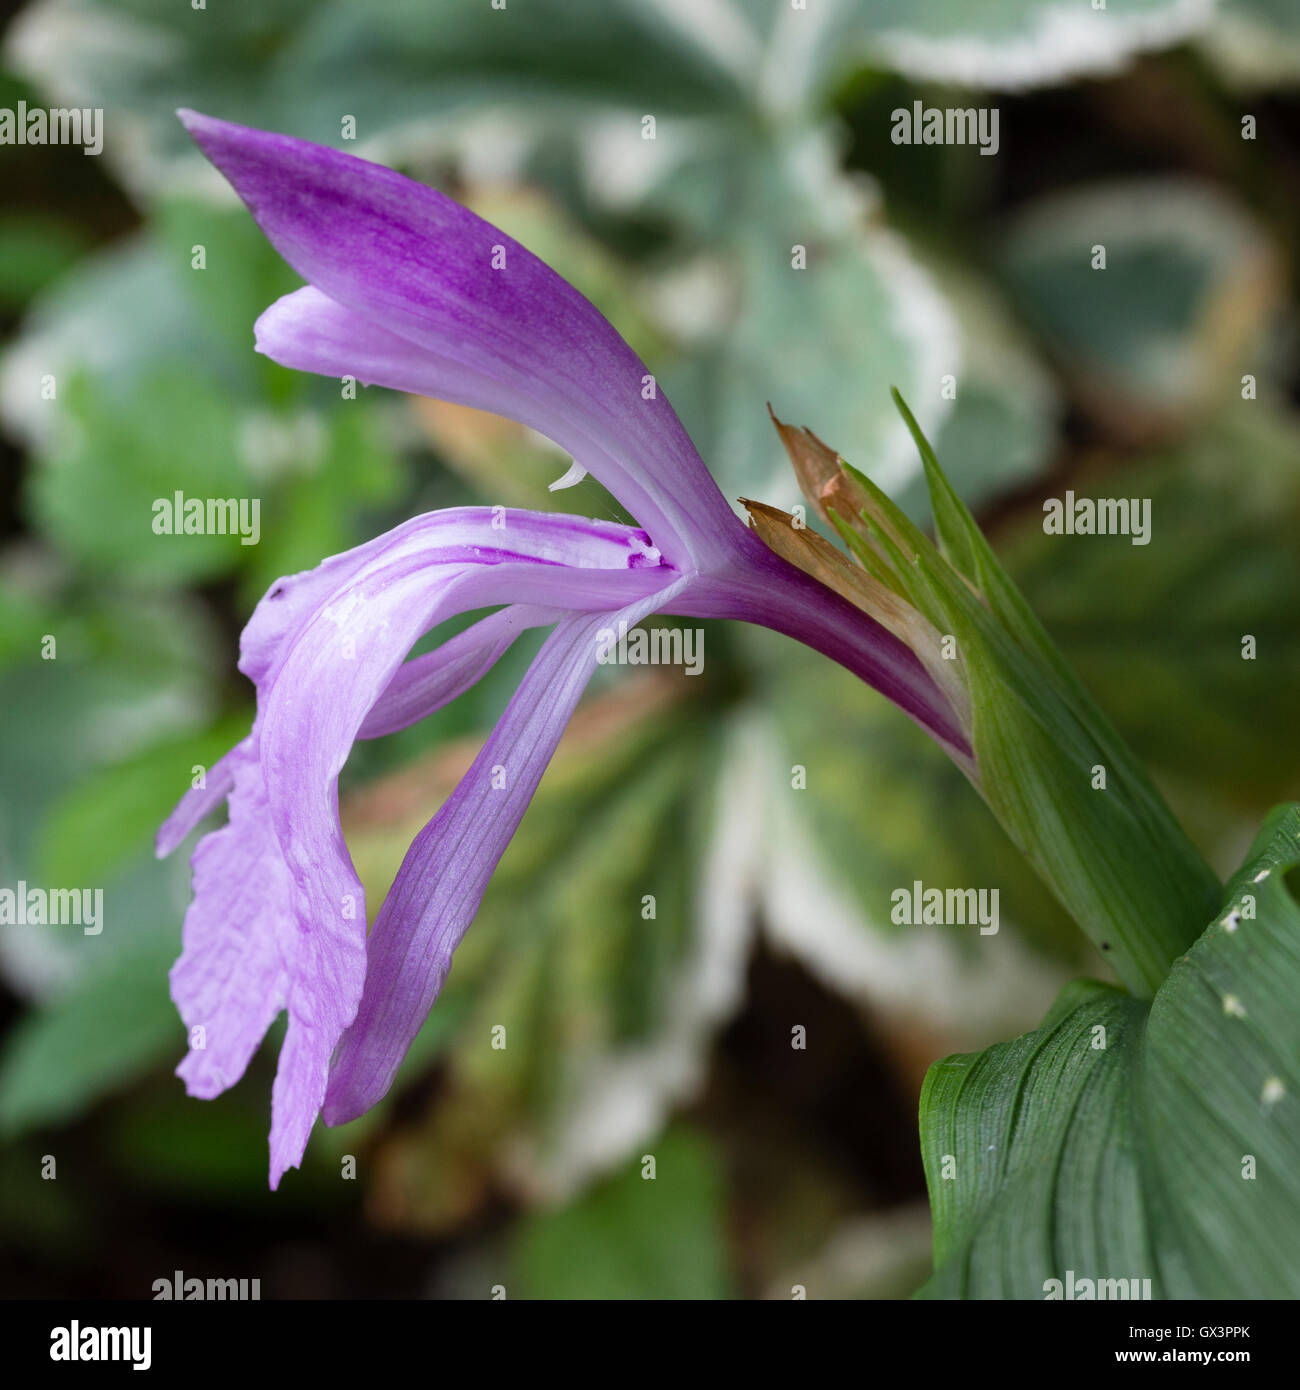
(1061, 40)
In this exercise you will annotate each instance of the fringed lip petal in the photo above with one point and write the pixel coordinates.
(422, 294)
(239, 960)
(344, 657)
(239, 957)
(278, 918)
(446, 871)
(199, 802)
(229, 982)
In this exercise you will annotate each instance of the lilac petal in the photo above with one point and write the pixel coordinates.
(298, 1092)
(434, 679)
(322, 687)
(291, 601)
(230, 981)
(310, 332)
(319, 690)
(237, 966)
(266, 637)
(199, 802)
(340, 663)
(469, 534)
(421, 686)
(446, 871)
(278, 917)
(487, 323)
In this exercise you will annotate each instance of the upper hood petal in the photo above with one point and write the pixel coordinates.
(454, 306)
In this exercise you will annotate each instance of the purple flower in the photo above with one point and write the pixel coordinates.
(409, 290)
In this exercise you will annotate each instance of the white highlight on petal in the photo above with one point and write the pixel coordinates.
(574, 476)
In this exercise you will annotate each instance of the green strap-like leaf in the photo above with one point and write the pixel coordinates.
(1122, 1141)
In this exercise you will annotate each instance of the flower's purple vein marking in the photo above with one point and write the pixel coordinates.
(408, 290)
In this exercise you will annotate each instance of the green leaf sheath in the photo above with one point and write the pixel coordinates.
(1112, 853)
